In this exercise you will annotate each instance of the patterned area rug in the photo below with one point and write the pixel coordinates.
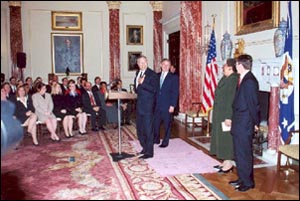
(204, 142)
(179, 158)
(81, 168)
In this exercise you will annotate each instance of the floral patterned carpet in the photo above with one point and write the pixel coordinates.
(82, 168)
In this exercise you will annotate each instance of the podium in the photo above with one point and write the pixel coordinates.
(119, 95)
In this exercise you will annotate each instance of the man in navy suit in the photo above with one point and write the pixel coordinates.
(245, 119)
(146, 84)
(166, 102)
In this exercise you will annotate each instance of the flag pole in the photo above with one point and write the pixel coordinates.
(214, 21)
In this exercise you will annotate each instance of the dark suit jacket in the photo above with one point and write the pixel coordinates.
(146, 92)
(246, 106)
(87, 106)
(20, 110)
(168, 93)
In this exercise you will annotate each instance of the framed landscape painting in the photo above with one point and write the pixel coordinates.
(66, 21)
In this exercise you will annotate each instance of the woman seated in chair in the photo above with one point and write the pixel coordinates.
(43, 105)
(110, 106)
(24, 112)
(60, 109)
(74, 106)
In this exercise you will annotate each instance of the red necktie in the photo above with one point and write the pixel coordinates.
(92, 99)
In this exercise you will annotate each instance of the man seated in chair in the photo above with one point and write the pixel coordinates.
(90, 106)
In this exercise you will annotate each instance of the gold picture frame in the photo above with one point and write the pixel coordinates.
(132, 60)
(67, 53)
(134, 35)
(255, 16)
(66, 21)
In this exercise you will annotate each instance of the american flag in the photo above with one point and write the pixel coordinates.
(211, 74)
(286, 113)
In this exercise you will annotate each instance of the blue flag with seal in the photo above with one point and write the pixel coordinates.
(286, 113)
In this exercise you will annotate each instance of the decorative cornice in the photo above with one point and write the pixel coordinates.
(113, 4)
(15, 3)
(157, 5)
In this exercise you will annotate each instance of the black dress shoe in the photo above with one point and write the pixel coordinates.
(145, 156)
(163, 146)
(218, 167)
(36, 144)
(95, 129)
(226, 171)
(101, 128)
(235, 183)
(243, 188)
(81, 133)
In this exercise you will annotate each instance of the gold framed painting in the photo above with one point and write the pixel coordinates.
(66, 21)
(255, 16)
(67, 53)
(134, 35)
(132, 60)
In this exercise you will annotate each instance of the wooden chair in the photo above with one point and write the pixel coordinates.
(289, 150)
(195, 112)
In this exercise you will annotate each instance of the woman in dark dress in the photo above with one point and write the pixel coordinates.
(60, 109)
(221, 141)
(74, 106)
(24, 112)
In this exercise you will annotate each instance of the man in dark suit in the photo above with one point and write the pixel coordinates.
(146, 83)
(166, 101)
(245, 119)
(91, 106)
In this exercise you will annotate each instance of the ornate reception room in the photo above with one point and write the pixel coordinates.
(156, 100)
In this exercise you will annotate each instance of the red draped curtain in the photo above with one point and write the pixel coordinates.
(190, 57)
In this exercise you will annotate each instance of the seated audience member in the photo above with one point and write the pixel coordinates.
(2, 77)
(43, 105)
(49, 86)
(60, 109)
(28, 81)
(90, 106)
(24, 112)
(78, 82)
(3, 94)
(13, 85)
(110, 106)
(82, 83)
(27, 89)
(19, 83)
(36, 81)
(74, 106)
(126, 106)
(9, 96)
(64, 85)
(96, 87)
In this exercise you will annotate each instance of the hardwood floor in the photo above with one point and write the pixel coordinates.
(269, 185)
